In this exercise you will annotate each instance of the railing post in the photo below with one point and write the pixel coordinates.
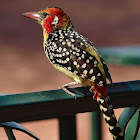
(96, 125)
(67, 127)
(9, 133)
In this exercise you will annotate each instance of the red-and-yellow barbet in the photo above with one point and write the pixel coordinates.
(75, 56)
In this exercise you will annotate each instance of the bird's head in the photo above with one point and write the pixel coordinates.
(51, 19)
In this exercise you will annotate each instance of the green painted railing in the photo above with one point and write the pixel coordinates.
(129, 55)
(56, 103)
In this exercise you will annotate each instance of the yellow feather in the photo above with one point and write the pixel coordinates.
(45, 37)
(73, 76)
(91, 51)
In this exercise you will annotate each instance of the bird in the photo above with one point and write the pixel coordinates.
(76, 57)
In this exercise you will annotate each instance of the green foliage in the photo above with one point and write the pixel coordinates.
(129, 121)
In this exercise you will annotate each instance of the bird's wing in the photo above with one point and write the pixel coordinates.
(93, 51)
(86, 45)
(73, 53)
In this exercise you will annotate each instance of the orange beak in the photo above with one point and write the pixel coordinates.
(32, 15)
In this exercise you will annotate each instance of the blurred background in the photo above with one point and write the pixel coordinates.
(24, 67)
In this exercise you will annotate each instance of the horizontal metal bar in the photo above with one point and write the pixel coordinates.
(55, 103)
(121, 54)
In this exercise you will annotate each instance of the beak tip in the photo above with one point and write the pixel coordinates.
(27, 14)
(23, 14)
(31, 15)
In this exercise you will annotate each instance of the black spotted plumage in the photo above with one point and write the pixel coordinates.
(66, 48)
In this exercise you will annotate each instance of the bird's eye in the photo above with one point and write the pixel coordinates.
(44, 14)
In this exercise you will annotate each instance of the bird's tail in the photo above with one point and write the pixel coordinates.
(107, 109)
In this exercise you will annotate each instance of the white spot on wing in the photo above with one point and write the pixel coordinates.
(83, 56)
(75, 63)
(67, 59)
(84, 65)
(77, 54)
(79, 58)
(87, 60)
(81, 44)
(78, 66)
(69, 68)
(74, 52)
(91, 71)
(93, 78)
(72, 40)
(60, 48)
(64, 49)
(69, 44)
(67, 53)
(63, 54)
(85, 72)
(99, 74)
(63, 43)
(101, 82)
(84, 52)
(90, 57)
(95, 62)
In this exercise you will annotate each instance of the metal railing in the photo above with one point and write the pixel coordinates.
(57, 104)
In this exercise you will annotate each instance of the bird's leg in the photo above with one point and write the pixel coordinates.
(66, 86)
